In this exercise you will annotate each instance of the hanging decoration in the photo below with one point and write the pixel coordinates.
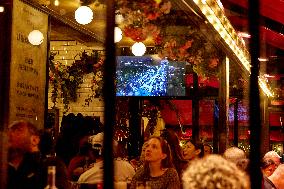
(65, 80)
(84, 15)
(187, 44)
(139, 17)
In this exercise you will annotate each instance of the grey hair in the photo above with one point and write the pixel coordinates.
(214, 172)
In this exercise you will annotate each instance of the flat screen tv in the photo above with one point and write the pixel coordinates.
(147, 76)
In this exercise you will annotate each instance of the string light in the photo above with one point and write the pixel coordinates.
(214, 13)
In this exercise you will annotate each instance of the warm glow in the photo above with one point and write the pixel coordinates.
(264, 87)
(84, 15)
(56, 2)
(215, 15)
(138, 49)
(263, 59)
(244, 35)
(35, 37)
(2, 9)
(117, 34)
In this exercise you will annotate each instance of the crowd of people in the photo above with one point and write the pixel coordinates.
(163, 163)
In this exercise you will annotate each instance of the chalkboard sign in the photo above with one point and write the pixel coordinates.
(28, 65)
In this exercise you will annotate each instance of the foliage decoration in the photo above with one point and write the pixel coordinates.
(187, 44)
(66, 80)
(154, 20)
(139, 17)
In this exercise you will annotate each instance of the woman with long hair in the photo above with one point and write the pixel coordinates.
(178, 160)
(158, 171)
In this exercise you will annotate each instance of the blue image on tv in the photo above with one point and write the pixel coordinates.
(144, 76)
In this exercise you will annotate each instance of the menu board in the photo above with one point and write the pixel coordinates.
(28, 65)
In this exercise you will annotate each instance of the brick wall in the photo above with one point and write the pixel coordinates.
(66, 53)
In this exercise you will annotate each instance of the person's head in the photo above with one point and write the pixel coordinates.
(192, 150)
(142, 155)
(237, 156)
(157, 150)
(213, 171)
(96, 142)
(277, 177)
(268, 166)
(23, 136)
(273, 156)
(234, 154)
(208, 149)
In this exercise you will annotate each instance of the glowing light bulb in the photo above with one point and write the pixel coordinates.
(117, 34)
(35, 37)
(84, 15)
(138, 49)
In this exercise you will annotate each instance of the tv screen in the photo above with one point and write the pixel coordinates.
(146, 76)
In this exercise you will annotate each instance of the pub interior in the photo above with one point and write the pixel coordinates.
(105, 81)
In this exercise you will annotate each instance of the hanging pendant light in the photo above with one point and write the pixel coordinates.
(35, 37)
(117, 34)
(84, 15)
(138, 49)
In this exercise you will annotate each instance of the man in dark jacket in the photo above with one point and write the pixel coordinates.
(27, 168)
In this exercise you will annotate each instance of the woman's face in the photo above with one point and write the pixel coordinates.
(189, 151)
(153, 151)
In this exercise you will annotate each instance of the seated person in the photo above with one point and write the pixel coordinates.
(27, 167)
(213, 171)
(275, 181)
(273, 156)
(192, 150)
(81, 162)
(158, 170)
(268, 166)
(123, 170)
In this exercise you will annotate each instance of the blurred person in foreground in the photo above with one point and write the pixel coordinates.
(276, 180)
(27, 167)
(212, 172)
(158, 170)
(237, 156)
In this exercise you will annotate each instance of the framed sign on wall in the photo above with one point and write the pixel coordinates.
(28, 64)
